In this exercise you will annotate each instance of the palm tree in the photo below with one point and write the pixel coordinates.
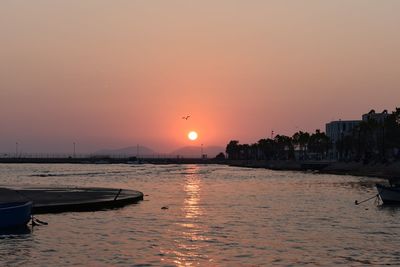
(267, 148)
(391, 133)
(232, 149)
(319, 143)
(284, 146)
(244, 151)
(301, 140)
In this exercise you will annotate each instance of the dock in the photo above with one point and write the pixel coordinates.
(71, 199)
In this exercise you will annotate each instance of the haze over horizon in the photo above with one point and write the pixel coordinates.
(112, 74)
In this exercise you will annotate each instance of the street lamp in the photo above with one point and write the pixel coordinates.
(74, 149)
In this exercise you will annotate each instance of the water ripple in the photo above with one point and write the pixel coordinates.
(216, 216)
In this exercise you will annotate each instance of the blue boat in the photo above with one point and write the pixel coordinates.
(15, 214)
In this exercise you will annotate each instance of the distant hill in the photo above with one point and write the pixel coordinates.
(188, 152)
(127, 151)
(195, 151)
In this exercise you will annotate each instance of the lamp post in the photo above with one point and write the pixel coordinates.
(383, 142)
(16, 149)
(359, 143)
(74, 149)
(341, 145)
(201, 151)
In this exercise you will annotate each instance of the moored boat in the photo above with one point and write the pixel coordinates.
(389, 194)
(15, 214)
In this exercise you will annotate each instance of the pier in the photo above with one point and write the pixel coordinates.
(73, 199)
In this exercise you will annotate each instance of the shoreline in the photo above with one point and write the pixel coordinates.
(379, 170)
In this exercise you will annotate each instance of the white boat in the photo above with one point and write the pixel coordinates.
(390, 194)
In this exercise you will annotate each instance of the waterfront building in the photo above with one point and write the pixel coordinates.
(378, 117)
(336, 131)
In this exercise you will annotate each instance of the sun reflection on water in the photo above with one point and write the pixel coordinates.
(217, 216)
(190, 247)
(192, 189)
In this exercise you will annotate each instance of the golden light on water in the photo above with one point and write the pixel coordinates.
(192, 229)
(192, 189)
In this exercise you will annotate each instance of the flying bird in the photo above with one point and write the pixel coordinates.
(186, 117)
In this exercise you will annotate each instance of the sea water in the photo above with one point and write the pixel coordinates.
(213, 215)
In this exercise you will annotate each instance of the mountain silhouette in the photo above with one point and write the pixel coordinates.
(195, 151)
(127, 151)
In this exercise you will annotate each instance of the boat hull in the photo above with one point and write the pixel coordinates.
(15, 214)
(389, 194)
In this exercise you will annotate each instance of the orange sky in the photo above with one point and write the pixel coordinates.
(109, 74)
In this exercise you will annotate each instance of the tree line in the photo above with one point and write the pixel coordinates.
(282, 147)
(375, 139)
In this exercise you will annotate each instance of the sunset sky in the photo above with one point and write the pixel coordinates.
(110, 74)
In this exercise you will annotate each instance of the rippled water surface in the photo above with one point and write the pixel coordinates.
(216, 216)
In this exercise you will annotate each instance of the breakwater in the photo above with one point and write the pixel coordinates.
(109, 160)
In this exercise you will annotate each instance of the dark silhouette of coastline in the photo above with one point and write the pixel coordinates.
(375, 139)
(371, 148)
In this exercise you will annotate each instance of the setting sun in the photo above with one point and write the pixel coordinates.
(192, 135)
